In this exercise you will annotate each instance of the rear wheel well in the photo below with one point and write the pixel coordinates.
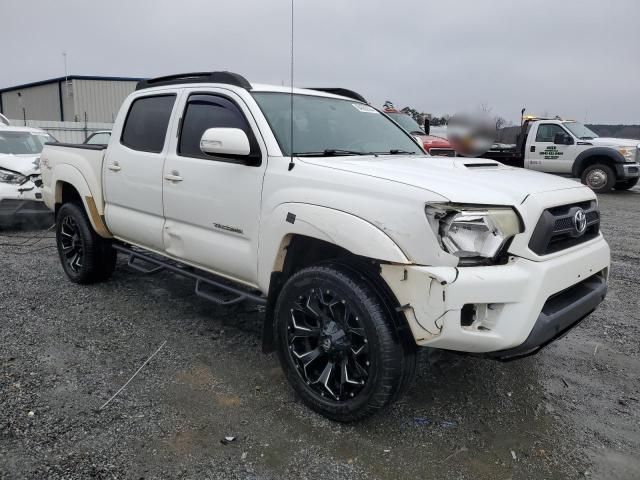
(302, 252)
(68, 194)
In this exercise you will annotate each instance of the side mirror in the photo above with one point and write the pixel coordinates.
(562, 139)
(225, 141)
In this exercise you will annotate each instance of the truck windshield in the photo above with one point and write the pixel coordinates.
(22, 143)
(406, 122)
(580, 131)
(324, 126)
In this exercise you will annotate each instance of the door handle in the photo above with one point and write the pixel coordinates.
(174, 176)
(533, 148)
(114, 167)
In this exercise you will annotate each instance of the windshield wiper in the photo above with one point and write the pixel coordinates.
(394, 151)
(586, 138)
(329, 152)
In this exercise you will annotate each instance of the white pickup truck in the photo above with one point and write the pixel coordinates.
(567, 147)
(361, 246)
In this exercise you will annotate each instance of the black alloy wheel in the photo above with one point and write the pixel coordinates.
(85, 256)
(328, 344)
(71, 244)
(338, 345)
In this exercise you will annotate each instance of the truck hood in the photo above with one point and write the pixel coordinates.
(614, 142)
(24, 164)
(459, 179)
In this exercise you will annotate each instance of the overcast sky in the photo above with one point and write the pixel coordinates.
(576, 58)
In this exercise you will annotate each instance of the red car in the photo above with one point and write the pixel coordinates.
(432, 144)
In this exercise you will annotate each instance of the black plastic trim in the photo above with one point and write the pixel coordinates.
(82, 146)
(560, 313)
(228, 78)
(343, 92)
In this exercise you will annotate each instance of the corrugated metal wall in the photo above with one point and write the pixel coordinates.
(100, 99)
(41, 102)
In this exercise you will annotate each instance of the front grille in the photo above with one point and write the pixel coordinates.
(556, 229)
(442, 152)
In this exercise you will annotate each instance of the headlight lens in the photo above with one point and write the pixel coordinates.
(476, 235)
(7, 176)
(629, 153)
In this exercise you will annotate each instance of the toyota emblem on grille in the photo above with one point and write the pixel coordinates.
(580, 221)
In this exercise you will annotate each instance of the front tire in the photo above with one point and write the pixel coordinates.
(626, 184)
(337, 345)
(599, 177)
(85, 256)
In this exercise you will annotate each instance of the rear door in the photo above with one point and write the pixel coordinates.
(212, 203)
(133, 171)
(546, 156)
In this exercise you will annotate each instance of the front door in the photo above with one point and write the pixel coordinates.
(132, 172)
(546, 156)
(212, 203)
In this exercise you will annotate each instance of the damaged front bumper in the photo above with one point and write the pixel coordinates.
(503, 311)
(23, 204)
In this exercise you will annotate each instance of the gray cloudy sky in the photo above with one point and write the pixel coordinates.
(576, 58)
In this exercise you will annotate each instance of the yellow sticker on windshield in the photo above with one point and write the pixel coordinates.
(364, 108)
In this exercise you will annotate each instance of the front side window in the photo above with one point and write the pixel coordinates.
(547, 132)
(23, 143)
(325, 126)
(205, 111)
(146, 125)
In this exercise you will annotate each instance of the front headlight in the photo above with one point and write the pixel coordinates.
(7, 176)
(629, 153)
(476, 235)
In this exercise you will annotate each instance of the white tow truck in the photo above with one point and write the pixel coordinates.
(567, 147)
(323, 209)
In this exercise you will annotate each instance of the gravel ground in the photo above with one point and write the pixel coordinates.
(573, 411)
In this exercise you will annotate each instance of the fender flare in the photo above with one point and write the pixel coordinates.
(345, 230)
(65, 173)
(611, 153)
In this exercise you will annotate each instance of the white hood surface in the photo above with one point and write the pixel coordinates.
(614, 142)
(24, 164)
(459, 179)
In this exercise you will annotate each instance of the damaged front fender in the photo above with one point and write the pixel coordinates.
(431, 285)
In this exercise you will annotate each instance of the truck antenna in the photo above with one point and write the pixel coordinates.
(291, 162)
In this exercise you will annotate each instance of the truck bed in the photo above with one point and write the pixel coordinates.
(74, 158)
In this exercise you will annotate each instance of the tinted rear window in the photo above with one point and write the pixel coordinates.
(146, 125)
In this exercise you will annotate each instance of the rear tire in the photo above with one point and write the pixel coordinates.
(337, 345)
(626, 184)
(599, 177)
(85, 256)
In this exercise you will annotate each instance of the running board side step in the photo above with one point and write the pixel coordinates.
(239, 295)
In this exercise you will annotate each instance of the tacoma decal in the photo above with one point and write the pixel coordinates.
(228, 228)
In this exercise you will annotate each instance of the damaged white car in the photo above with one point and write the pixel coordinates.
(20, 195)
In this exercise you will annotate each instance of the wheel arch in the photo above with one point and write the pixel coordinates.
(70, 185)
(605, 155)
(323, 235)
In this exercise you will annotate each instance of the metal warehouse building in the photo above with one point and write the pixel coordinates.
(74, 98)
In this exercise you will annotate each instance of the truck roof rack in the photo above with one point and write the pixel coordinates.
(229, 78)
(343, 92)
